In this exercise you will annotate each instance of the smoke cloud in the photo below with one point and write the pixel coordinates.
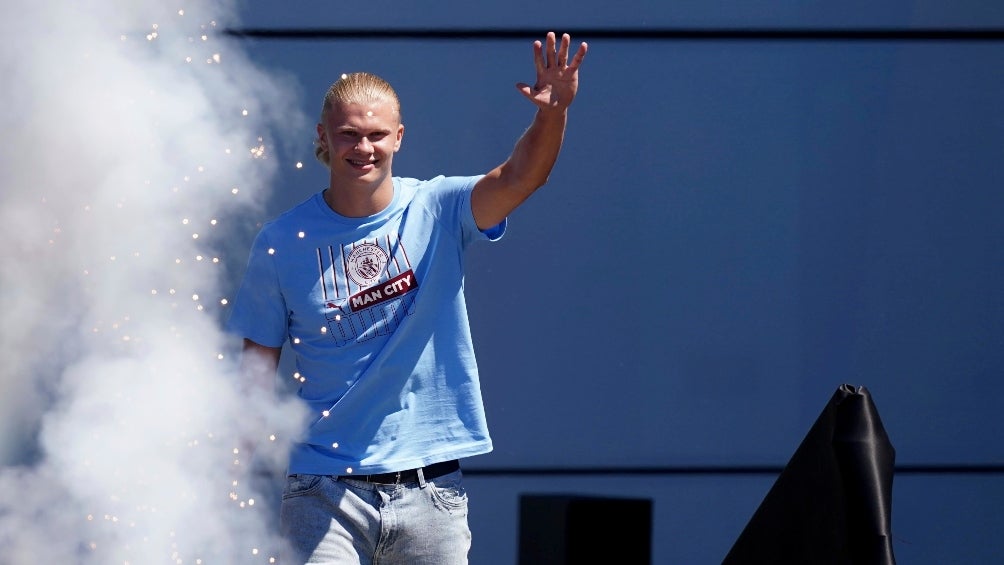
(137, 150)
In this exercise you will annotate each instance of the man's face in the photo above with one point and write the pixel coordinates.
(361, 140)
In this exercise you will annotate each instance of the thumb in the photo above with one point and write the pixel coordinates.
(526, 89)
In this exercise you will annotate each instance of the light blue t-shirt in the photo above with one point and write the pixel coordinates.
(374, 311)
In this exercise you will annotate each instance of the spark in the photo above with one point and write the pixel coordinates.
(258, 151)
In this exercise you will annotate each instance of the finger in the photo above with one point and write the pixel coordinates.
(579, 55)
(528, 91)
(538, 56)
(550, 49)
(566, 40)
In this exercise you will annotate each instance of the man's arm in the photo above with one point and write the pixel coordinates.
(257, 371)
(258, 366)
(499, 192)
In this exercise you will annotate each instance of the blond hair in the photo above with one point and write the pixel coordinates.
(358, 88)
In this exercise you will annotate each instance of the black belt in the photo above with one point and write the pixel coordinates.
(410, 476)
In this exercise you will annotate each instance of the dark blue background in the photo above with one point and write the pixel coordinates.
(734, 229)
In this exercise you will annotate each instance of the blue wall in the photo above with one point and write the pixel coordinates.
(734, 229)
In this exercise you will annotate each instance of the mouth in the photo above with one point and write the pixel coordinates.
(363, 164)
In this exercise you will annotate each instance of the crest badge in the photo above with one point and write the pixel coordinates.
(366, 263)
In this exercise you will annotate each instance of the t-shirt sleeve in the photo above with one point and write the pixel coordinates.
(259, 311)
(462, 187)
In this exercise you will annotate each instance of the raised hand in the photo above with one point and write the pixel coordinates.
(557, 78)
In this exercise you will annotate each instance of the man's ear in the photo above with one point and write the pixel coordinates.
(400, 136)
(322, 140)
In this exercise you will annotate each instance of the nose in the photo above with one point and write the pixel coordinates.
(364, 145)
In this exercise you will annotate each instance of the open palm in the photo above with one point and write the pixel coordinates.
(557, 78)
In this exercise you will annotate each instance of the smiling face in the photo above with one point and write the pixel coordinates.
(360, 139)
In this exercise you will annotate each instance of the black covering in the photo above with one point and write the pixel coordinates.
(562, 529)
(832, 503)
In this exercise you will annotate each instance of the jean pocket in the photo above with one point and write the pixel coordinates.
(298, 485)
(448, 491)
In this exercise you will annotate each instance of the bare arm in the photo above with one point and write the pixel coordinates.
(505, 187)
(257, 371)
(258, 365)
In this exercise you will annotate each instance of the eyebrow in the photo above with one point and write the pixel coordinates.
(342, 129)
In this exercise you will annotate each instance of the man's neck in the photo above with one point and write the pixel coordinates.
(359, 201)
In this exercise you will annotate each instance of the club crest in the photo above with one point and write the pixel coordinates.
(366, 263)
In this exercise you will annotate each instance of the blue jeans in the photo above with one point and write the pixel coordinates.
(326, 519)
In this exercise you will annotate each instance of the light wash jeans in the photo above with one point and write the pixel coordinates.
(326, 519)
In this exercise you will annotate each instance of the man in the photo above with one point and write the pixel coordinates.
(365, 280)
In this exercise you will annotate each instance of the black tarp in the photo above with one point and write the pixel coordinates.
(832, 503)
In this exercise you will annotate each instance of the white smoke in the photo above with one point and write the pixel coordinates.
(137, 144)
